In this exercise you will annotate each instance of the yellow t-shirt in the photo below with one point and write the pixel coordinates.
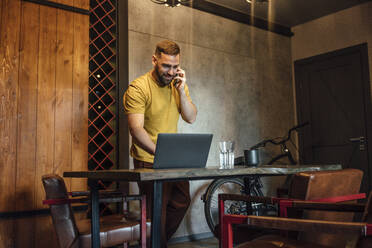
(160, 106)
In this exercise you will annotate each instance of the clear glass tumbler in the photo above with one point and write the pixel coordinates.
(223, 154)
(226, 154)
(230, 156)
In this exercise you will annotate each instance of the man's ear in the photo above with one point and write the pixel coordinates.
(153, 59)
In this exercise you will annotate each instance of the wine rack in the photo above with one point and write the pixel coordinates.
(102, 89)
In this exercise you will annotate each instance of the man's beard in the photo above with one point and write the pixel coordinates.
(161, 77)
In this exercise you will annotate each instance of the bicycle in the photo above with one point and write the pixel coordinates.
(253, 185)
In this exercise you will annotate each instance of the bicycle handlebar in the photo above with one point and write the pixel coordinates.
(282, 141)
(299, 126)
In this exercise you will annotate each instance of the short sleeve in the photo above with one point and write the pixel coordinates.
(134, 100)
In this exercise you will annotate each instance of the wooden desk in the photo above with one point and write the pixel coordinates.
(160, 175)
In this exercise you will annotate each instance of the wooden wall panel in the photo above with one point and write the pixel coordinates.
(84, 4)
(9, 59)
(7, 233)
(63, 114)
(27, 114)
(44, 233)
(9, 64)
(26, 137)
(44, 56)
(1, 19)
(46, 99)
(80, 97)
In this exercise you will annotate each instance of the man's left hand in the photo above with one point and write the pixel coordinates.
(180, 79)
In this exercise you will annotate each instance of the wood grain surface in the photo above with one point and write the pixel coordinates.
(64, 90)
(28, 83)
(9, 66)
(80, 98)
(196, 173)
(9, 58)
(26, 138)
(83, 4)
(320, 226)
(46, 99)
(44, 56)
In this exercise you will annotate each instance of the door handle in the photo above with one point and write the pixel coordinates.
(358, 139)
(361, 140)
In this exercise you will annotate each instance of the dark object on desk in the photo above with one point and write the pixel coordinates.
(251, 157)
(115, 229)
(181, 150)
(305, 186)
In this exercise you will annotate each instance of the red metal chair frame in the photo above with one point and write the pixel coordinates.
(227, 220)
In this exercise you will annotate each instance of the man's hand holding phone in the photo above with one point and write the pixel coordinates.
(180, 79)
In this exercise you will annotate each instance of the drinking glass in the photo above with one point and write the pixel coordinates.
(226, 154)
(223, 154)
(230, 154)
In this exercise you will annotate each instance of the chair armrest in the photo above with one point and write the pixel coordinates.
(286, 203)
(64, 201)
(274, 200)
(289, 224)
(341, 207)
(104, 199)
(101, 193)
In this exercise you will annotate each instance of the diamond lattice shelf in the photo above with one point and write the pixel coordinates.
(102, 85)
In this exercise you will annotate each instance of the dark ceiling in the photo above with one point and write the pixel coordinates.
(289, 13)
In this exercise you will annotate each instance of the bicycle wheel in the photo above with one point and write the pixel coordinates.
(228, 186)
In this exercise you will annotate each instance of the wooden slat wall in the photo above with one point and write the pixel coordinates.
(9, 61)
(80, 93)
(27, 112)
(44, 56)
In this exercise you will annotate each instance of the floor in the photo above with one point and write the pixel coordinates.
(204, 243)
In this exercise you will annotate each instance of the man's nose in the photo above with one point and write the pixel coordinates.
(171, 71)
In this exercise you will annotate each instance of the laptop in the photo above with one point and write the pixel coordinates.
(181, 150)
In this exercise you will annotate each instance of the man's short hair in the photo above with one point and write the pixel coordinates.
(167, 47)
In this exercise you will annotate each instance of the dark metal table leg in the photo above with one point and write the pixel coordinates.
(95, 239)
(156, 215)
(247, 185)
(247, 191)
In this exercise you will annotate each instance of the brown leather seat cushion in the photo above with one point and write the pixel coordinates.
(276, 241)
(114, 229)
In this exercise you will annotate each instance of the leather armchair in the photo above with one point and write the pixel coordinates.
(358, 233)
(114, 229)
(331, 186)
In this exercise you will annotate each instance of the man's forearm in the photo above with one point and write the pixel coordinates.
(141, 138)
(188, 109)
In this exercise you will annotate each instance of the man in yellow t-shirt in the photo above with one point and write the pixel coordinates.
(153, 103)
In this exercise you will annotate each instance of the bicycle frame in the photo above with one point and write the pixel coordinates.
(251, 184)
(286, 153)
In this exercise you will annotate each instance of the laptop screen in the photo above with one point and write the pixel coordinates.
(180, 150)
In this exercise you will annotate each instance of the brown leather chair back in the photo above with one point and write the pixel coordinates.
(324, 184)
(62, 215)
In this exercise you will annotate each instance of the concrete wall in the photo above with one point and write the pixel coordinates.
(239, 78)
(343, 29)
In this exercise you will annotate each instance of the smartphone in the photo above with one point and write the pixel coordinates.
(176, 81)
